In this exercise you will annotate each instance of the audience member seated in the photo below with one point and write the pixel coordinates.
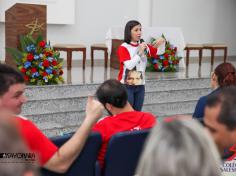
(12, 144)
(56, 159)
(220, 119)
(180, 147)
(223, 75)
(113, 95)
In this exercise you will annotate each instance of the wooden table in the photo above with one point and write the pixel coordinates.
(99, 46)
(69, 48)
(190, 47)
(215, 46)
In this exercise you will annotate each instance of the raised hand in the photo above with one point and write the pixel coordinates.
(142, 48)
(158, 42)
(94, 109)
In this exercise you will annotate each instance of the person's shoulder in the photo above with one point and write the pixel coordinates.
(123, 46)
(200, 106)
(201, 102)
(102, 125)
(147, 115)
(26, 123)
(22, 119)
(104, 120)
(203, 98)
(148, 119)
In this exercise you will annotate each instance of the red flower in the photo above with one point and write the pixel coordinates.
(33, 70)
(30, 57)
(23, 70)
(166, 55)
(42, 44)
(54, 72)
(46, 54)
(61, 72)
(54, 63)
(175, 62)
(49, 53)
(165, 63)
(44, 74)
(175, 49)
(26, 78)
(156, 66)
(46, 63)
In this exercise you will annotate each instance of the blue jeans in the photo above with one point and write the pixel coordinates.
(136, 96)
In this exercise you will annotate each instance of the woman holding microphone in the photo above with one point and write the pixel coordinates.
(133, 61)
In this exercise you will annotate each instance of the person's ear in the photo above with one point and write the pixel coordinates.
(108, 106)
(213, 76)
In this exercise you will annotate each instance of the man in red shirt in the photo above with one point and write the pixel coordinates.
(113, 95)
(12, 87)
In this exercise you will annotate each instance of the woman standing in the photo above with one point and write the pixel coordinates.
(133, 60)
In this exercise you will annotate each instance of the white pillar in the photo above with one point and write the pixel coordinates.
(145, 12)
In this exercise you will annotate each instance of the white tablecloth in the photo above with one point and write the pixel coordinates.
(172, 34)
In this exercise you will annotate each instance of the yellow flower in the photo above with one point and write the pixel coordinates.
(50, 76)
(59, 65)
(24, 59)
(44, 57)
(32, 80)
(57, 80)
(61, 78)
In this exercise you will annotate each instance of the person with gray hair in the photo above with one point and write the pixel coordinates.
(180, 147)
(15, 158)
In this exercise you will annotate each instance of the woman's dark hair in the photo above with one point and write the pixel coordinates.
(226, 75)
(128, 27)
(8, 77)
(112, 92)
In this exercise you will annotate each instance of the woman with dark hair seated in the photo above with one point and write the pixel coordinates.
(223, 75)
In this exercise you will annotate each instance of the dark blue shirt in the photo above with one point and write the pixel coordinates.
(201, 104)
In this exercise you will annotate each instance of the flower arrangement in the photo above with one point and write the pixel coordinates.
(167, 62)
(38, 61)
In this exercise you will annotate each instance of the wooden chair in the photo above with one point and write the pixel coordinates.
(69, 48)
(114, 60)
(214, 47)
(99, 46)
(190, 47)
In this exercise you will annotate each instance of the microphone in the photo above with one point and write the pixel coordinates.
(141, 41)
(145, 51)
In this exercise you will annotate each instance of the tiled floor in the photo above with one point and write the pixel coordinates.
(99, 73)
